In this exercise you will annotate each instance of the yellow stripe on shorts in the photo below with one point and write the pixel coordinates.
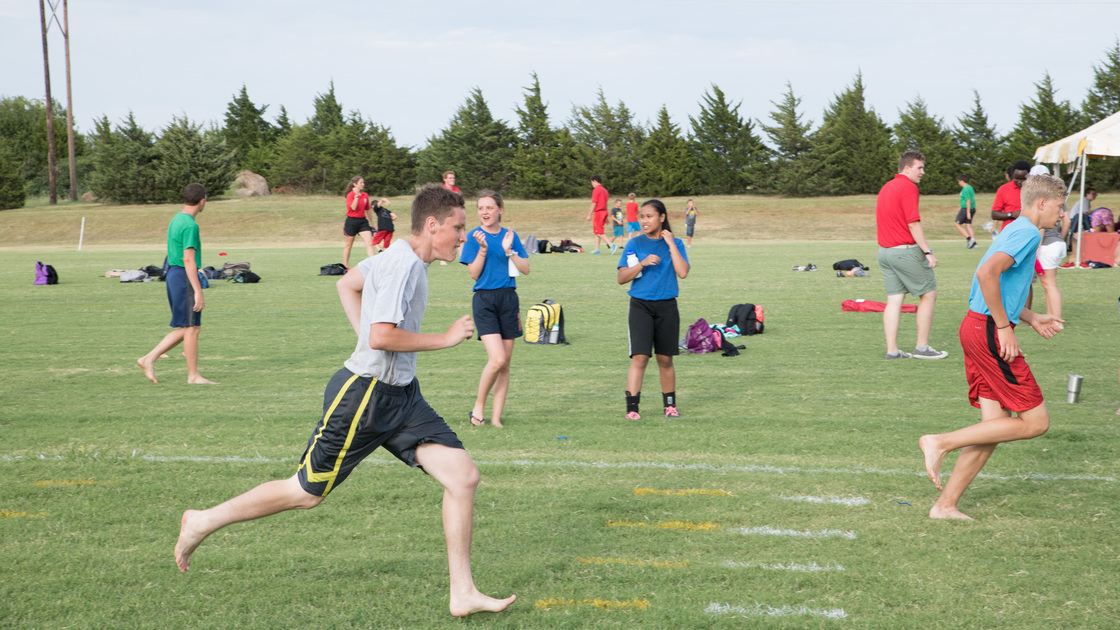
(329, 477)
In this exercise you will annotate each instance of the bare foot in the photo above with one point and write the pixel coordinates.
(149, 368)
(953, 512)
(463, 606)
(496, 422)
(189, 539)
(933, 454)
(1118, 412)
(198, 380)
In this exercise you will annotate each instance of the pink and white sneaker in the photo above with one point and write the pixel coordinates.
(671, 412)
(633, 415)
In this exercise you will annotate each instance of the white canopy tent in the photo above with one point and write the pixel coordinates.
(1099, 140)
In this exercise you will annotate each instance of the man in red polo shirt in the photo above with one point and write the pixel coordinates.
(598, 211)
(905, 258)
(449, 181)
(1006, 207)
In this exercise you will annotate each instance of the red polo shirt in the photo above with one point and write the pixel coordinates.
(1008, 200)
(895, 209)
(599, 197)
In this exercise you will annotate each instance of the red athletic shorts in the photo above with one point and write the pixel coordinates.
(989, 376)
(598, 220)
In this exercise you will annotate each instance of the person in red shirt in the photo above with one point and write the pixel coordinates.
(357, 219)
(632, 225)
(598, 211)
(449, 181)
(1006, 206)
(905, 257)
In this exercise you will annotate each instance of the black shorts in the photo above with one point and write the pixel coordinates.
(180, 295)
(962, 216)
(354, 225)
(497, 312)
(360, 414)
(656, 325)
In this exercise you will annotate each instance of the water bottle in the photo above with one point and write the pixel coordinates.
(554, 336)
(632, 261)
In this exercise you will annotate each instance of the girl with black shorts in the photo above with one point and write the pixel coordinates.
(357, 219)
(652, 262)
(494, 255)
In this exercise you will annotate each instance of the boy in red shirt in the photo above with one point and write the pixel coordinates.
(598, 211)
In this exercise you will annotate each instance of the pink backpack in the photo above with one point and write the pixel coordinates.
(701, 338)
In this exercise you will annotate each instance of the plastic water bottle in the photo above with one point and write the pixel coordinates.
(632, 261)
(554, 336)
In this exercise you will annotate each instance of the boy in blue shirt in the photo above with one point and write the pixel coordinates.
(1000, 382)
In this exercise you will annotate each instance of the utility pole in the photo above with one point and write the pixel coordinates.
(51, 166)
(69, 103)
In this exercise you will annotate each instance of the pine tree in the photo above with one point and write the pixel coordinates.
(1041, 121)
(613, 142)
(541, 160)
(363, 148)
(283, 126)
(298, 162)
(980, 150)
(124, 162)
(247, 132)
(474, 145)
(852, 148)
(23, 123)
(789, 174)
(328, 113)
(1103, 101)
(187, 154)
(730, 157)
(918, 130)
(667, 165)
(11, 184)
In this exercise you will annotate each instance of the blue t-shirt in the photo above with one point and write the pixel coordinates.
(1020, 241)
(495, 271)
(658, 282)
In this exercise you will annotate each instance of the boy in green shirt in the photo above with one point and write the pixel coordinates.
(968, 209)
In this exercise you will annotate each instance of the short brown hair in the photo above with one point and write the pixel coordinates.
(446, 173)
(435, 201)
(193, 194)
(908, 158)
(1042, 187)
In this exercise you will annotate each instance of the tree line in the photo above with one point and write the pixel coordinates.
(720, 150)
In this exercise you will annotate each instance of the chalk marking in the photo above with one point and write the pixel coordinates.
(688, 491)
(769, 611)
(687, 525)
(604, 604)
(635, 563)
(849, 501)
(73, 482)
(19, 514)
(766, 530)
(812, 567)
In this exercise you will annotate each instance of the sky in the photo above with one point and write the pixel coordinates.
(410, 65)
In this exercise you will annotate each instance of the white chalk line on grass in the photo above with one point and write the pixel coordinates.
(849, 501)
(781, 470)
(811, 567)
(766, 530)
(715, 608)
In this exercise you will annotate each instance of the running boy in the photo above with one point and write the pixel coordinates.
(632, 225)
(385, 228)
(967, 211)
(618, 224)
(652, 262)
(999, 380)
(375, 400)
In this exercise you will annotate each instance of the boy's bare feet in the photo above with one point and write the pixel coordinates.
(477, 602)
(939, 512)
(189, 539)
(198, 380)
(149, 368)
(496, 422)
(933, 455)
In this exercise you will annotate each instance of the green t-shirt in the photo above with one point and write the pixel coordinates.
(968, 195)
(181, 234)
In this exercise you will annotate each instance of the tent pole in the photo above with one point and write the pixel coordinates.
(1080, 220)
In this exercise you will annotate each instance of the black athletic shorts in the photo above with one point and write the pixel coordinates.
(354, 225)
(656, 325)
(497, 312)
(360, 414)
(962, 216)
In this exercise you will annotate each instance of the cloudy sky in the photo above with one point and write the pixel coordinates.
(409, 65)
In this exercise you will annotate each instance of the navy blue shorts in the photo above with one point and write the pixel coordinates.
(497, 312)
(654, 325)
(360, 414)
(180, 295)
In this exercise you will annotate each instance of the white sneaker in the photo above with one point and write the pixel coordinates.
(929, 353)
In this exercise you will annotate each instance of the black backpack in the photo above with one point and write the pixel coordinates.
(745, 316)
(848, 265)
(337, 269)
(245, 277)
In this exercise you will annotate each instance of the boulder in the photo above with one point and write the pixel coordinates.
(89, 197)
(252, 182)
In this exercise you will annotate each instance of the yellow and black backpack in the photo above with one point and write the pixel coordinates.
(544, 323)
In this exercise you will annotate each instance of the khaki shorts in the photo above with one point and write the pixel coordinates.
(906, 270)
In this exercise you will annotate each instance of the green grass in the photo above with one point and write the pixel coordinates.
(99, 464)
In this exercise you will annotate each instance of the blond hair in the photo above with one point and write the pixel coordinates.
(1041, 187)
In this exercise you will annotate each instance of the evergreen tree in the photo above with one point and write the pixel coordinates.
(328, 113)
(1103, 101)
(11, 184)
(283, 126)
(474, 145)
(667, 166)
(789, 171)
(613, 142)
(541, 159)
(980, 150)
(730, 156)
(363, 148)
(1041, 121)
(23, 123)
(918, 130)
(298, 162)
(187, 154)
(247, 132)
(852, 148)
(124, 162)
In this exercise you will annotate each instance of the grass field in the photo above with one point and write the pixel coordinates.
(790, 495)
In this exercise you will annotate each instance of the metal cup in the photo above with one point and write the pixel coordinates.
(1073, 388)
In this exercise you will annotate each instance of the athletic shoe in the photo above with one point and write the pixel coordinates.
(614, 247)
(596, 252)
(671, 412)
(1067, 265)
(930, 353)
(972, 243)
(633, 415)
(898, 354)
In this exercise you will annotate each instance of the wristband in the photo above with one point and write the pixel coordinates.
(1002, 327)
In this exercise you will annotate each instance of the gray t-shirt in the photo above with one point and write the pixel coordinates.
(395, 292)
(1051, 234)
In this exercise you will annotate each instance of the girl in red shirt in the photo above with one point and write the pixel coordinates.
(357, 219)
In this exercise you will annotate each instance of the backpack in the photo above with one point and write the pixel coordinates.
(531, 245)
(153, 271)
(541, 319)
(230, 270)
(566, 245)
(337, 269)
(134, 275)
(748, 317)
(848, 265)
(245, 277)
(45, 274)
(212, 273)
(544, 247)
(701, 339)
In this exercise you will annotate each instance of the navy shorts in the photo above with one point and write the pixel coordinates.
(180, 295)
(360, 414)
(354, 225)
(656, 325)
(962, 216)
(497, 312)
